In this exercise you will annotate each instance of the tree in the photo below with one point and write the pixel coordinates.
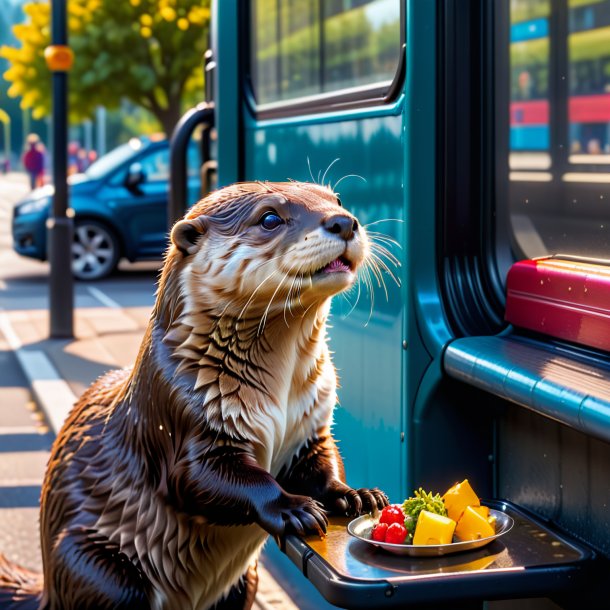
(148, 51)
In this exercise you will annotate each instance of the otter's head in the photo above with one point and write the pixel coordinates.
(258, 247)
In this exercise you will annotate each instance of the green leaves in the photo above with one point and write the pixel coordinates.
(423, 501)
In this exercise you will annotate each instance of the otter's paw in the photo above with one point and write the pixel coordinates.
(294, 515)
(354, 502)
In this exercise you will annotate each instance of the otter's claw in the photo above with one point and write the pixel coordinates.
(296, 515)
(355, 502)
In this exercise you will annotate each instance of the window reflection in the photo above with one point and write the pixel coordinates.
(589, 78)
(559, 122)
(303, 47)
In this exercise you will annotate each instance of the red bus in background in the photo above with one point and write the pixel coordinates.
(582, 56)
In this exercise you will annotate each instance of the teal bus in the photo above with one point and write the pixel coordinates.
(472, 138)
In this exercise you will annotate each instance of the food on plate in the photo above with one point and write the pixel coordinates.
(392, 514)
(458, 497)
(393, 527)
(423, 501)
(472, 525)
(396, 534)
(484, 510)
(426, 518)
(433, 528)
(379, 532)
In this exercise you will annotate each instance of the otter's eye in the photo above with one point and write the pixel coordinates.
(270, 221)
(339, 202)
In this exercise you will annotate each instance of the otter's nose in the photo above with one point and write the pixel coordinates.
(341, 225)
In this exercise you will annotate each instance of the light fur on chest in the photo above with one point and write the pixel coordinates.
(273, 390)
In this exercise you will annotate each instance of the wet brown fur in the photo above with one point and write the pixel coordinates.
(165, 480)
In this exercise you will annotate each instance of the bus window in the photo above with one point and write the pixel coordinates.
(302, 48)
(529, 85)
(589, 74)
(558, 175)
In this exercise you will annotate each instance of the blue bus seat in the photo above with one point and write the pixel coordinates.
(544, 377)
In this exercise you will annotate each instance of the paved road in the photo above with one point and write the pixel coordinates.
(24, 438)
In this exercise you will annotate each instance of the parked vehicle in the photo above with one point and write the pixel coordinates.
(119, 205)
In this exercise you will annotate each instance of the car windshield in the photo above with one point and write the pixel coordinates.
(113, 159)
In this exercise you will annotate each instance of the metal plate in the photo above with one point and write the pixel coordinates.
(361, 528)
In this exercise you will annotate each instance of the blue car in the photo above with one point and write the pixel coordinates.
(119, 205)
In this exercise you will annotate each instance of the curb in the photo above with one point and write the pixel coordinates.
(50, 391)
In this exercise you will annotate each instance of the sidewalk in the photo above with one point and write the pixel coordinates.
(58, 371)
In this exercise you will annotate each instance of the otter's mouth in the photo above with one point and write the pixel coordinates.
(338, 265)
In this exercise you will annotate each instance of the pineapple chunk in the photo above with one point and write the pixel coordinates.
(473, 525)
(433, 529)
(484, 512)
(458, 498)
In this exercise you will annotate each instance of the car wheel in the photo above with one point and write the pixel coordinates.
(95, 250)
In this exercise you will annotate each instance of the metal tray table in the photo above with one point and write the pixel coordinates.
(532, 560)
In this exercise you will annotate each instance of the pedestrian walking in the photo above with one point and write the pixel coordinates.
(33, 161)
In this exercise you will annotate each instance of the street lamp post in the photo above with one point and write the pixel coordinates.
(60, 227)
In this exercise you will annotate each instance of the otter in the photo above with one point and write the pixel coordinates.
(167, 478)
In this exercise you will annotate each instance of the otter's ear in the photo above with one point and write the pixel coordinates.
(186, 234)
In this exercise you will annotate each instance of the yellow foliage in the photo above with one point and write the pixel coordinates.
(29, 76)
(15, 72)
(30, 98)
(38, 13)
(168, 13)
(15, 89)
(10, 53)
(198, 15)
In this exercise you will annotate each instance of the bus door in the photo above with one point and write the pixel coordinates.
(322, 100)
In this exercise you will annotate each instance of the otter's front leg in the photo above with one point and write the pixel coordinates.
(226, 486)
(318, 471)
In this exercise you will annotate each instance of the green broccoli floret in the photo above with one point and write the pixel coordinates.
(423, 501)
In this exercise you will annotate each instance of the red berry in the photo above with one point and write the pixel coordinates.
(379, 532)
(392, 514)
(396, 533)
